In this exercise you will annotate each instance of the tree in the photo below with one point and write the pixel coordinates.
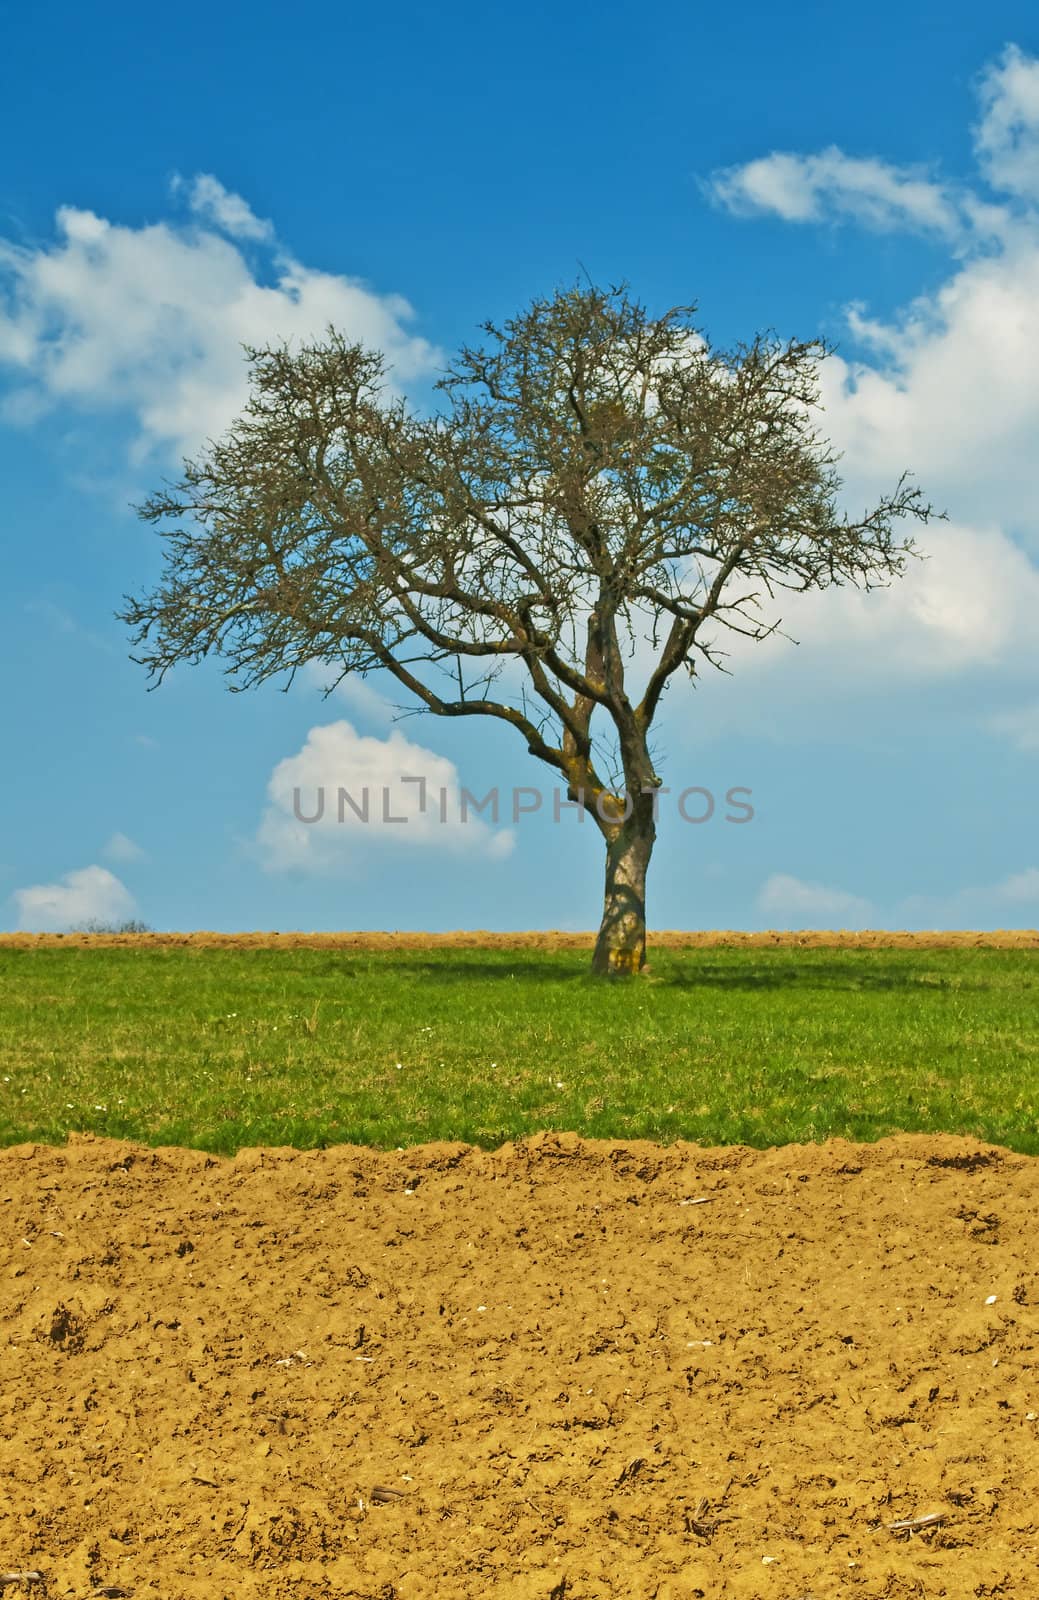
(596, 477)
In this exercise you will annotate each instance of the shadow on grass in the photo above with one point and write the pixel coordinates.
(824, 975)
(863, 972)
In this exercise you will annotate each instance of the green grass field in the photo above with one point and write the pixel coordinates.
(220, 1048)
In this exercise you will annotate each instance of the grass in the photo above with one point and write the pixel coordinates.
(222, 1048)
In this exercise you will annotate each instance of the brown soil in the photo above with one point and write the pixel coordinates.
(577, 1381)
(480, 939)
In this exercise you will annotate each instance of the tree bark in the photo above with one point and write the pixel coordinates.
(620, 949)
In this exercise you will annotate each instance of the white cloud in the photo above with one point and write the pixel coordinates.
(977, 905)
(1020, 725)
(372, 772)
(87, 895)
(121, 848)
(151, 320)
(951, 386)
(794, 903)
(799, 904)
(800, 188)
(949, 389)
(880, 194)
(969, 607)
(357, 693)
(954, 393)
(210, 201)
(1007, 137)
(1020, 888)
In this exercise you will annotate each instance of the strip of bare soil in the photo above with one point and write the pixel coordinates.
(480, 939)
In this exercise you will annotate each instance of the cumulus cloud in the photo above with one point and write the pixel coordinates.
(1020, 725)
(150, 321)
(795, 903)
(859, 658)
(809, 188)
(357, 693)
(800, 904)
(950, 385)
(953, 390)
(401, 796)
(123, 849)
(978, 905)
(831, 184)
(968, 602)
(228, 212)
(949, 388)
(91, 894)
(1021, 888)
(1007, 137)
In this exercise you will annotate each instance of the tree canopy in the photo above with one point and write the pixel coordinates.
(595, 477)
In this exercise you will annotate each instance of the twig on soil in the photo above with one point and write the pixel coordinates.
(381, 1495)
(701, 1522)
(20, 1577)
(914, 1524)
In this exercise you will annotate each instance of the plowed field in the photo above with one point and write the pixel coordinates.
(559, 1369)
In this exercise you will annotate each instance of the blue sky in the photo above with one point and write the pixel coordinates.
(171, 188)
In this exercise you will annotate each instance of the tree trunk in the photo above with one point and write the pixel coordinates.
(620, 949)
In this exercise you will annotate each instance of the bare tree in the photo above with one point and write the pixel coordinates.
(596, 477)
